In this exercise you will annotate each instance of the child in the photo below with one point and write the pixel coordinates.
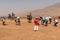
(36, 24)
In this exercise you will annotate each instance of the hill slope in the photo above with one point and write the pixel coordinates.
(53, 10)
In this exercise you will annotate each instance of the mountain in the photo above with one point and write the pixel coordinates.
(53, 10)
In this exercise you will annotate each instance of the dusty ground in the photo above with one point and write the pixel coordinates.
(25, 31)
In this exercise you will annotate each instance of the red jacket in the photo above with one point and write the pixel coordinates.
(36, 22)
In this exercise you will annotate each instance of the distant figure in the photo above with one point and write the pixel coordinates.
(43, 20)
(46, 18)
(50, 20)
(3, 20)
(46, 22)
(29, 18)
(36, 24)
(17, 20)
(9, 16)
(13, 15)
(55, 22)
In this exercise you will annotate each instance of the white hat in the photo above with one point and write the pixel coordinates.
(17, 17)
(36, 17)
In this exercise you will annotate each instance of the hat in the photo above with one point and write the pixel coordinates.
(17, 17)
(36, 17)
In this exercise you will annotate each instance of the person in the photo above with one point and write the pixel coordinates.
(17, 20)
(3, 20)
(55, 22)
(36, 24)
(43, 20)
(50, 20)
(46, 22)
(29, 18)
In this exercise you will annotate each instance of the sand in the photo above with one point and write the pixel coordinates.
(11, 31)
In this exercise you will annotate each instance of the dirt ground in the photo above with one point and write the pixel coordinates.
(11, 31)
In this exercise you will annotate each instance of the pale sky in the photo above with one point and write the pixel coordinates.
(8, 6)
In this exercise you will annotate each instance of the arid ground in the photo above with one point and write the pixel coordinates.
(11, 31)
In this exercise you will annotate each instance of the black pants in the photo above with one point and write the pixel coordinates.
(56, 24)
(43, 21)
(18, 22)
(30, 21)
(46, 23)
(50, 21)
(3, 23)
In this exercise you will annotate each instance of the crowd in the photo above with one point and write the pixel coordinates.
(44, 20)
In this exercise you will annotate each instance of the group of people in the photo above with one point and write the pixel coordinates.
(17, 20)
(44, 21)
(37, 21)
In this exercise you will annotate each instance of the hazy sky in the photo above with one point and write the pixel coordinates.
(7, 6)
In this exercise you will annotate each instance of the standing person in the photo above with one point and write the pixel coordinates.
(3, 20)
(17, 20)
(55, 22)
(29, 18)
(46, 22)
(42, 21)
(50, 20)
(36, 24)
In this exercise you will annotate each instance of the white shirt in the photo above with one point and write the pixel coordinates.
(56, 20)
